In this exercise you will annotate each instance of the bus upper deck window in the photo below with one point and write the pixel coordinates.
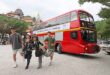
(73, 16)
(74, 34)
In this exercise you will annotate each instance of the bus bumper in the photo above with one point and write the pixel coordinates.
(92, 49)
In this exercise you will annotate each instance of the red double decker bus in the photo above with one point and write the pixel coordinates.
(74, 32)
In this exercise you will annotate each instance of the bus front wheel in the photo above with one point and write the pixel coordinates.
(108, 53)
(59, 49)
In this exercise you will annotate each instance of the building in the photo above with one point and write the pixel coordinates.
(13, 15)
(27, 19)
(18, 14)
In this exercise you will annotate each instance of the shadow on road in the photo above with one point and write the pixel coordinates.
(84, 56)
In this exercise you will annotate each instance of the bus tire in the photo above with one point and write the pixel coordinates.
(108, 53)
(59, 49)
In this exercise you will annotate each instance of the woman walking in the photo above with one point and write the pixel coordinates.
(38, 50)
(28, 49)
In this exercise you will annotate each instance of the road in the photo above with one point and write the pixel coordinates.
(63, 64)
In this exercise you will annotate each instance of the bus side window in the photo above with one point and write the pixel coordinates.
(73, 16)
(74, 34)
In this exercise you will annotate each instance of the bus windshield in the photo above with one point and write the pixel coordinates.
(88, 35)
(86, 20)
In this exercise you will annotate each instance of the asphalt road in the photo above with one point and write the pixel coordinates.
(63, 64)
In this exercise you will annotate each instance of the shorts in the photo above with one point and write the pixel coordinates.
(51, 52)
(17, 50)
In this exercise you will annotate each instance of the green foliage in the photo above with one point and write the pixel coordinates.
(81, 2)
(100, 1)
(7, 22)
(103, 29)
(104, 13)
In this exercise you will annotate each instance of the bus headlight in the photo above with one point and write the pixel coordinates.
(86, 48)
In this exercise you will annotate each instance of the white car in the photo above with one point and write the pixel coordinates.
(105, 46)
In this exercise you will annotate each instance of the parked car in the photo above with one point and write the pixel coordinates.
(105, 46)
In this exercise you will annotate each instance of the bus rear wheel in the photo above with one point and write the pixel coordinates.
(59, 49)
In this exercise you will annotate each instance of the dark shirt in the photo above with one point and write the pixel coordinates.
(28, 50)
(50, 41)
(37, 44)
(28, 46)
(15, 40)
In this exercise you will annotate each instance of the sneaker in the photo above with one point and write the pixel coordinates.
(50, 63)
(26, 67)
(15, 66)
(39, 67)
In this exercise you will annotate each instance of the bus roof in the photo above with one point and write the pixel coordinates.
(78, 10)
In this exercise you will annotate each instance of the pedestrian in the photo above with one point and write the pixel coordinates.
(38, 50)
(17, 44)
(28, 47)
(51, 46)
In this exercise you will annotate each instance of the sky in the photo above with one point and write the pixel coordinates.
(48, 8)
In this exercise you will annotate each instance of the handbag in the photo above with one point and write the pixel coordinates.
(47, 53)
(28, 54)
(38, 52)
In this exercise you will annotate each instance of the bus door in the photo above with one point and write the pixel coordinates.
(71, 44)
(75, 45)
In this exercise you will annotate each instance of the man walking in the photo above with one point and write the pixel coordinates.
(17, 45)
(51, 46)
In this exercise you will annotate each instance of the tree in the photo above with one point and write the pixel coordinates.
(7, 22)
(19, 12)
(102, 30)
(104, 2)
